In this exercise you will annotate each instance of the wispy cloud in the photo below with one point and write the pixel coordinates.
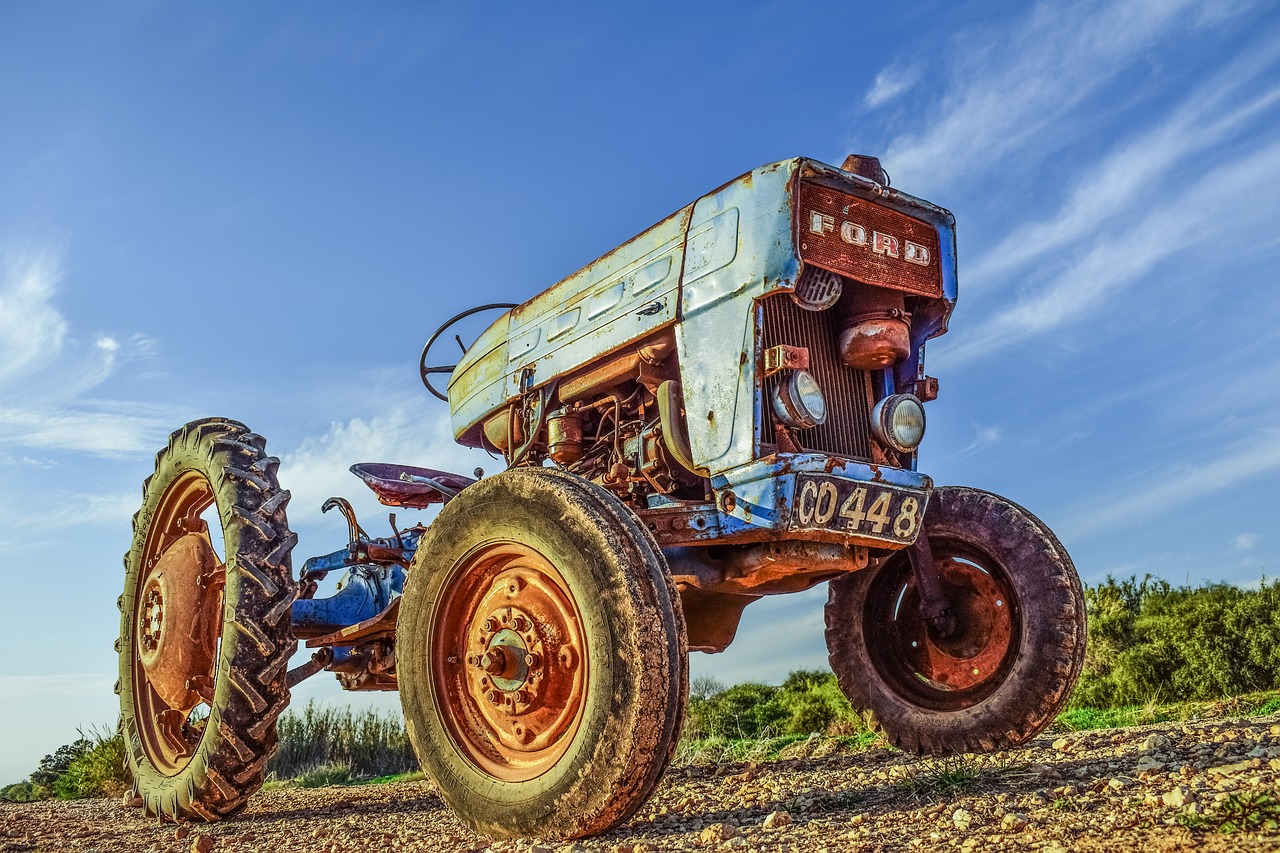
(1245, 541)
(1013, 87)
(45, 371)
(890, 83)
(31, 329)
(69, 685)
(1169, 487)
(1121, 185)
(408, 433)
(1199, 216)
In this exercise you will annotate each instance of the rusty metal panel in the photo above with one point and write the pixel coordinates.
(745, 250)
(613, 301)
(867, 242)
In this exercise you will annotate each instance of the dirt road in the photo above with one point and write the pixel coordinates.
(1118, 789)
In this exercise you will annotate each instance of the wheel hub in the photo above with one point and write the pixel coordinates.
(516, 690)
(176, 615)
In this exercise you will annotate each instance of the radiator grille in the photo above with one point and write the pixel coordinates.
(847, 431)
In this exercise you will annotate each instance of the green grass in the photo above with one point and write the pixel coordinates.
(942, 777)
(1249, 705)
(370, 744)
(325, 775)
(1247, 812)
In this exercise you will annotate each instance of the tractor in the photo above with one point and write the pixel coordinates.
(727, 406)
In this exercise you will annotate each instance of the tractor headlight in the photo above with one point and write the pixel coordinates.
(898, 421)
(798, 401)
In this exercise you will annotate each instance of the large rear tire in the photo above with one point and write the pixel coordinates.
(542, 657)
(205, 638)
(1019, 646)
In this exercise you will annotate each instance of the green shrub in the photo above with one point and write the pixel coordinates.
(367, 743)
(96, 772)
(1153, 642)
(24, 792)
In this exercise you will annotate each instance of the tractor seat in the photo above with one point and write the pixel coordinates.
(407, 486)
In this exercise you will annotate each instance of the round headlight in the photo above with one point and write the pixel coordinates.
(898, 421)
(798, 401)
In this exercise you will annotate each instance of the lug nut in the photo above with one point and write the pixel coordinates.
(521, 624)
(491, 625)
(532, 660)
(494, 697)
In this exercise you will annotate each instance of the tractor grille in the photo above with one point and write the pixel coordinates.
(847, 431)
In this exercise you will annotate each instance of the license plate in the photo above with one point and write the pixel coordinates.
(856, 508)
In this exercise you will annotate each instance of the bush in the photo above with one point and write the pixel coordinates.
(366, 744)
(1152, 642)
(808, 701)
(25, 792)
(96, 772)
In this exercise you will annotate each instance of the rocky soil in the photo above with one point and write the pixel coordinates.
(1118, 789)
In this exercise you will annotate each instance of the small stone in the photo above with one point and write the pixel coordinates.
(201, 844)
(1119, 783)
(130, 800)
(1156, 741)
(1062, 744)
(1146, 764)
(181, 833)
(1014, 822)
(962, 819)
(777, 819)
(1178, 797)
(1229, 769)
(718, 832)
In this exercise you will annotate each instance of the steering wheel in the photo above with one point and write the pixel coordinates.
(426, 371)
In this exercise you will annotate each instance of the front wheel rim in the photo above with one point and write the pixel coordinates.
(509, 661)
(945, 674)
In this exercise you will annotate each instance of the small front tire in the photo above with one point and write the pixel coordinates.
(1009, 667)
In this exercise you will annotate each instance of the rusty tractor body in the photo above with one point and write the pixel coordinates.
(727, 406)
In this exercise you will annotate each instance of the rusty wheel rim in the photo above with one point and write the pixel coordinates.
(177, 625)
(959, 671)
(509, 661)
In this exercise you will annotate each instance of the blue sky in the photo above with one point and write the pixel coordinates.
(262, 212)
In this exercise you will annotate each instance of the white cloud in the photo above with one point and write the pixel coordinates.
(45, 371)
(69, 685)
(1175, 487)
(1123, 184)
(32, 332)
(407, 433)
(1202, 214)
(1245, 541)
(1012, 88)
(983, 438)
(98, 430)
(890, 83)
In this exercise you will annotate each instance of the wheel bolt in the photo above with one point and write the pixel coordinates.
(522, 697)
(494, 697)
(532, 660)
(521, 624)
(491, 625)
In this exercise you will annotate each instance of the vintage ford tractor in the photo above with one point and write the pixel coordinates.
(726, 406)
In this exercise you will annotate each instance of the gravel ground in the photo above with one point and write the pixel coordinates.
(1118, 789)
